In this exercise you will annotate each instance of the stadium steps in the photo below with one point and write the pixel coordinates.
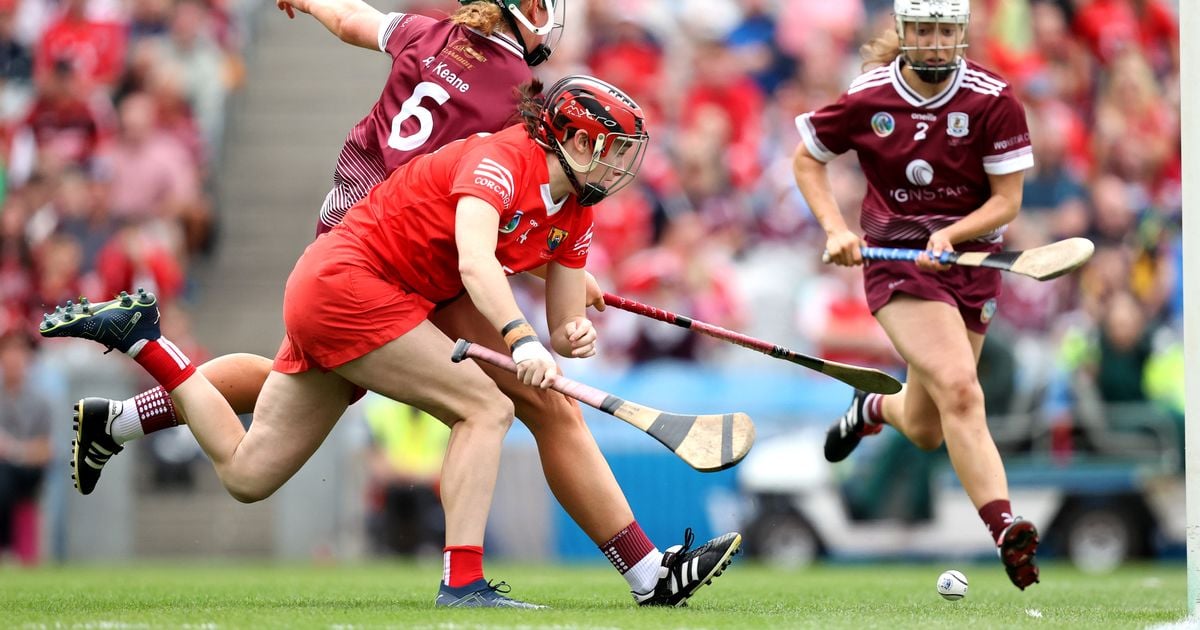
(304, 90)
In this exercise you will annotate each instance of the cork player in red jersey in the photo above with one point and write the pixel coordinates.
(449, 79)
(943, 144)
(357, 302)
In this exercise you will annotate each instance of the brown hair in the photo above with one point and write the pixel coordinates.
(482, 16)
(881, 50)
(529, 108)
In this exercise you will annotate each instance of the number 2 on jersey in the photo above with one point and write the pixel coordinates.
(922, 130)
(413, 108)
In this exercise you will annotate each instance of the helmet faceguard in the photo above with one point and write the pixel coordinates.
(612, 123)
(918, 20)
(550, 31)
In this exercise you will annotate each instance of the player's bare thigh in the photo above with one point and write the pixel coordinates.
(934, 341)
(239, 377)
(295, 413)
(416, 369)
(534, 406)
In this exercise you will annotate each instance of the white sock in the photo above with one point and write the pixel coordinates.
(127, 426)
(643, 576)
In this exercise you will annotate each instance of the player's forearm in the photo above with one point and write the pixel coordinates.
(352, 21)
(488, 287)
(999, 210)
(812, 178)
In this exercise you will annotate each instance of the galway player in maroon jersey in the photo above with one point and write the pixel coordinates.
(943, 144)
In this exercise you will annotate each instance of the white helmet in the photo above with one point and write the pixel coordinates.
(938, 13)
(550, 31)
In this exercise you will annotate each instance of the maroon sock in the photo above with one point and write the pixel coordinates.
(155, 410)
(627, 548)
(997, 515)
(164, 361)
(874, 409)
(462, 565)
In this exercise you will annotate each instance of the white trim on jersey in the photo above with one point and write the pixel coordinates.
(854, 89)
(985, 78)
(982, 88)
(552, 206)
(1016, 160)
(916, 100)
(808, 134)
(580, 248)
(503, 40)
(498, 174)
(868, 77)
(386, 28)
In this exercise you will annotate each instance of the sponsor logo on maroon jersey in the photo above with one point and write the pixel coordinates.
(883, 124)
(958, 124)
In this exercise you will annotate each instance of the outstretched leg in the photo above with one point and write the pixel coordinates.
(583, 483)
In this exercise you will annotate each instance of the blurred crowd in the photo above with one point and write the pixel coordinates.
(112, 111)
(717, 230)
(111, 118)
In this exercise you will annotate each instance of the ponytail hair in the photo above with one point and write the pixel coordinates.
(881, 50)
(482, 16)
(529, 108)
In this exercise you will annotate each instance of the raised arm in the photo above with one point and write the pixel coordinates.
(353, 21)
(475, 227)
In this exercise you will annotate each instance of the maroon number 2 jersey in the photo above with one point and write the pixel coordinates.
(447, 82)
(926, 160)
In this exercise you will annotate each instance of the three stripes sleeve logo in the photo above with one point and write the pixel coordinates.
(496, 177)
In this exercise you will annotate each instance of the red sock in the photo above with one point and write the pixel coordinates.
(997, 515)
(165, 362)
(462, 565)
(874, 409)
(155, 410)
(627, 548)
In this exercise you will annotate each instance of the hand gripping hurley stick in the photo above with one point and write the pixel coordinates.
(1041, 263)
(867, 379)
(707, 443)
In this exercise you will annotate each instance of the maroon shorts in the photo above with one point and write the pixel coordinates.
(973, 290)
(336, 308)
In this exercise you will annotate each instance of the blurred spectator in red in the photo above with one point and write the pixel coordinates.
(59, 278)
(626, 54)
(833, 313)
(96, 49)
(67, 124)
(1136, 130)
(25, 416)
(137, 257)
(1111, 28)
(16, 257)
(721, 85)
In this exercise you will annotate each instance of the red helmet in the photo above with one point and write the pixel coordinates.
(614, 125)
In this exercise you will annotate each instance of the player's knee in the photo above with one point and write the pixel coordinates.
(490, 413)
(548, 410)
(926, 438)
(958, 394)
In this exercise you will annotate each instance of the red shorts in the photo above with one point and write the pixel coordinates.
(973, 290)
(337, 308)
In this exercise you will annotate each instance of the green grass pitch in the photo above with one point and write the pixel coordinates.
(747, 596)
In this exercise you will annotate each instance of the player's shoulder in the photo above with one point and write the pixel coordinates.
(873, 79)
(981, 80)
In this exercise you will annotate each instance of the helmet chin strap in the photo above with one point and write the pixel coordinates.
(588, 194)
(539, 54)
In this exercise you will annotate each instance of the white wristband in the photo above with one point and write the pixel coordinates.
(531, 350)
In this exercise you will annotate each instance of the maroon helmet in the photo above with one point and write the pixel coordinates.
(614, 125)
